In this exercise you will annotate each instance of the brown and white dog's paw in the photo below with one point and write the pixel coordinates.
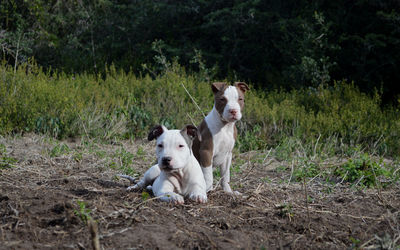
(237, 193)
(228, 190)
(226, 187)
(201, 198)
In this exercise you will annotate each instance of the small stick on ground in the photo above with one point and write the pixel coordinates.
(306, 200)
(291, 174)
(94, 233)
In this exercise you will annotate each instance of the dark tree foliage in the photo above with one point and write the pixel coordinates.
(270, 43)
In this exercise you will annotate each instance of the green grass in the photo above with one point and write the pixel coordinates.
(6, 161)
(123, 160)
(83, 213)
(59, 149)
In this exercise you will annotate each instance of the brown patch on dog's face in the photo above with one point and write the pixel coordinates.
(218, 86)
(220, 100)
(241, 88)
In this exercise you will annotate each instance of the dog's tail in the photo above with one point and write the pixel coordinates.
(131, 179)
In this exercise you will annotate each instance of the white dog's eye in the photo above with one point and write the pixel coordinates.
(160, 145)
(181, 145)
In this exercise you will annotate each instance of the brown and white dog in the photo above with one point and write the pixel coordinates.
(218, 132)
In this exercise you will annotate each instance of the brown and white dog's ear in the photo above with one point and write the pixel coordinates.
(242, 86)
(155, 132)
(217, 86)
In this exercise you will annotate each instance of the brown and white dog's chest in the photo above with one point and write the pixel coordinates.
(223, 140)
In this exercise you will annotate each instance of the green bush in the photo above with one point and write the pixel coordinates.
(340, 111)
(120, 104)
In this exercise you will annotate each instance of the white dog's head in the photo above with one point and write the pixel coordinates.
(174, 147)
(229, 100)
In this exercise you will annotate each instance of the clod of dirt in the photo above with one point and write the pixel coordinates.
(80, 192)
(109, 184)
(56, 222)
(4, 198)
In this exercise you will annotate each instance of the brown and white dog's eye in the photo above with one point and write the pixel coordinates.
(160, 145)
(222, 99)
(240, 99)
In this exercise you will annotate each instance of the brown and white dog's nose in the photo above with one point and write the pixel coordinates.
(233, 111)
(166, 161)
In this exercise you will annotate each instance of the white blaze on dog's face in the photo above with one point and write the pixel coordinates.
(229, 100)
(173, 147)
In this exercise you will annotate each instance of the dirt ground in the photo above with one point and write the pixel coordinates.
(40, 205)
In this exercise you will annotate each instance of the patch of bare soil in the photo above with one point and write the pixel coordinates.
(39, 207)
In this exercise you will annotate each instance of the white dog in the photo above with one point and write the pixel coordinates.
(177, 173)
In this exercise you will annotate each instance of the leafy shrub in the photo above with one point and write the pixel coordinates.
(363, 170)
(307, 169)
(251, 139)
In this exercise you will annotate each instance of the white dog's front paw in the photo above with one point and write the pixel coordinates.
(135, 187)
(172, 198)
(201, 198)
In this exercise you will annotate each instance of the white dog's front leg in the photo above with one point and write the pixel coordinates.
(208, 177)
(198, 194)
(148, 178)
(164, 190)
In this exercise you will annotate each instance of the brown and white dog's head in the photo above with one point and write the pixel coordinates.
(229, 100)
(174, 147)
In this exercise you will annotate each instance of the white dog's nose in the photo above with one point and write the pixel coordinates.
(166, 161)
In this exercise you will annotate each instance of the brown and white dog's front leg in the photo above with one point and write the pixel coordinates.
(225, 173)
(208, 177)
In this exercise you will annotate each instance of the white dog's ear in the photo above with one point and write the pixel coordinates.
(218, 86)
(189, 132)
(155, 132)
(242, 86)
